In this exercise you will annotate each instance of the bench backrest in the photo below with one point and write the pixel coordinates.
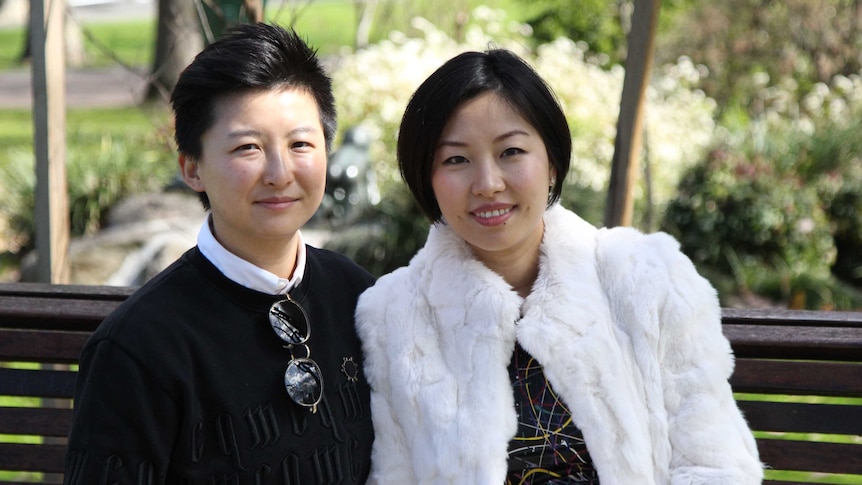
(42, 330)
(798, 380)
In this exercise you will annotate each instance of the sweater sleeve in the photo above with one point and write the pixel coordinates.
(709, 438)
(123, 423)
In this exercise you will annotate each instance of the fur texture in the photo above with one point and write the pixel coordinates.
(627, 331)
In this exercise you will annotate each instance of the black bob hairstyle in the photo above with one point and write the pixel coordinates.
(460, 79)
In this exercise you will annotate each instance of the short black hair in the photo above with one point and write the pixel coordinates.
(250, 57)
(460, 79)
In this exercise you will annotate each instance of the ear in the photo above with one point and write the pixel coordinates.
(189, 168)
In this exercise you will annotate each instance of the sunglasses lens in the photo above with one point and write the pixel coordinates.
(303, 382)
(289, 322)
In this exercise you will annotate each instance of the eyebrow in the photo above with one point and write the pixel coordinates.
(508, 134)
(251, 132)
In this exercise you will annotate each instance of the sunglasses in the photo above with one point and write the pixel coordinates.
(302, 379)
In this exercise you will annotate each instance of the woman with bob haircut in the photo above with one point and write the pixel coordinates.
(522, 345)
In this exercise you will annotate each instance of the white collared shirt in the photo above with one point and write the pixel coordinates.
(244, 272)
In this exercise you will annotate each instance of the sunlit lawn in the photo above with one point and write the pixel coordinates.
(326, 25)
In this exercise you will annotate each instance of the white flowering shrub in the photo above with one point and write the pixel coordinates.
(732, 191)
(373, 86)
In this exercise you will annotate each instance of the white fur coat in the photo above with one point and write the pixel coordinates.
(629, 336)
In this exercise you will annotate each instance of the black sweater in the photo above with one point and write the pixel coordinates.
(183, 384)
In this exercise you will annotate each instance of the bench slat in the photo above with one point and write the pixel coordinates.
(37, 383)
(798, 377)
(29, 458)
(53, 313)
(35, 421)
(811, 456)
(64, 307)
(803, 417)
(795, 342)
(781, 316)
(19, 345)
(80, 292)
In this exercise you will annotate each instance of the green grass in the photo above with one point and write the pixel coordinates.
(84, 127)
(12, 42)
(130, 43)
(328, 26)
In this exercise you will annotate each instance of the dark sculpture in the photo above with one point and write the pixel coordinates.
(351, 184)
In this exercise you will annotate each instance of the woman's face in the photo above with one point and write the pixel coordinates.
(491, 177)
(263, 167)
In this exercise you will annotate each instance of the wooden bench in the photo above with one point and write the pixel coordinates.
(42, 330)
(798, 374)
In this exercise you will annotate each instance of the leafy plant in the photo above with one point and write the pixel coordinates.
(779, 214)
(101, 169)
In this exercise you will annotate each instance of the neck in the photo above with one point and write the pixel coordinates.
(519, 267)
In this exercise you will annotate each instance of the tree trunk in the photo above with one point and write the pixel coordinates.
(627, 146)
(178, 40)
(47, 20)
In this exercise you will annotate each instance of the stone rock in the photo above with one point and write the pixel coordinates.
(143, 235)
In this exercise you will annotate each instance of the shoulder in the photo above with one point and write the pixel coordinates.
(627, 250)
(392, 289)
(649, 265)
(627, 242)
(389, 305)
(338, 267)
(140, 319)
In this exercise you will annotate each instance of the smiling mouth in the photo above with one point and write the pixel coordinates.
(493, 213)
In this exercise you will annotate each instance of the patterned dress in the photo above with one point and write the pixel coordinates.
(548, 448)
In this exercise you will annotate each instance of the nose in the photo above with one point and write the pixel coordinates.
(278, 170)
(488, 179)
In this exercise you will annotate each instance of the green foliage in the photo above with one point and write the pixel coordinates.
(781, 216)
(751, 46)
(110, 154)
(735, 207)
(834, 161)
(598, 23)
